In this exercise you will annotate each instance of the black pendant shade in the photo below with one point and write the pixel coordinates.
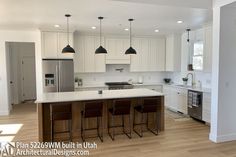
(68, 48)
(130, 51)
(100, 50)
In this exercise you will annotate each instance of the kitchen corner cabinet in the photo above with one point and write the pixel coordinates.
(150, 55)
(53, 43)
(176, 98)
(173, 52)
(116, 47)
(206, 107)
(86, 61)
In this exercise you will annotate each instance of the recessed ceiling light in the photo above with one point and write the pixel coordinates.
(126, 29)
(57, 26)
(179, 22)
(156, 30)
(93, 27)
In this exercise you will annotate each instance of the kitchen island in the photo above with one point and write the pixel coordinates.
(78, 98)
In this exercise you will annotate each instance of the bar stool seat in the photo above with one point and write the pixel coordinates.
(149, 105)
(61, 112)
(120, 107)
(92, 109)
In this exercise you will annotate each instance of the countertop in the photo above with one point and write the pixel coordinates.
(93, 95)
(205, 90)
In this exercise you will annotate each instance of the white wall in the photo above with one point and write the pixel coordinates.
(112, 75)
(17, 36)
(223, 96)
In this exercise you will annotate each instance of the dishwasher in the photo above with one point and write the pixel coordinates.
(195, 104)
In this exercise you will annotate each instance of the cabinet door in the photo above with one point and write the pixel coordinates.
(161, 54)
(136, 59)
(99, 59)
(167, 93)
(49, 45)
(62, 42)
(116, 48)
(79, 56)
(89, 51)
(207, 60)
(206, 108)
(182, 100)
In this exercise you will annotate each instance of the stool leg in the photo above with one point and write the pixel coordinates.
(52, 131)
(112, 123)
(98, 127)
(70, 129)
(82, 129)
(130, 126)
(142, 126)
(153, 131)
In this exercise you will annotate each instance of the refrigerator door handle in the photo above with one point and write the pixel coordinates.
(57, 78)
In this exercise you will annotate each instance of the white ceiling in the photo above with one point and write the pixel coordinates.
(148, 14)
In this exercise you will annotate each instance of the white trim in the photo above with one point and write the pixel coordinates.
(222, 138)
(4, 113)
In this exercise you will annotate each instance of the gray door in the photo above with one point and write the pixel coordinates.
(66, 75)
(50, 75)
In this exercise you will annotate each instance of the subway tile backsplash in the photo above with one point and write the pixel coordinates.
(122, 73)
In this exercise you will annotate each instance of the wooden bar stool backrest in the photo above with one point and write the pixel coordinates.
(93, 109)
(121, 107)
(61, 111)
(150, 104)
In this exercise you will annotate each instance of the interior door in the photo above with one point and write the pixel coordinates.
(28, 78)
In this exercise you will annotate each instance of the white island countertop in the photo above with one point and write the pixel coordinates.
(93, 95)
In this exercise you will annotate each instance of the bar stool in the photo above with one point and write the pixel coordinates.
(149, 105)
(92, 109)
(119, 108)
(61, 112)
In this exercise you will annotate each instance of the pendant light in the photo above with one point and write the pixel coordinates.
(130, 50)
(68, 48)
(100, 49)
(190, 65)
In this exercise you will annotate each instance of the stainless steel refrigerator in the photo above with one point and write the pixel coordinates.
(58, 75)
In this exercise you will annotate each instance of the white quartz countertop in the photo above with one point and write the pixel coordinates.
(205, 90)
(93, 95)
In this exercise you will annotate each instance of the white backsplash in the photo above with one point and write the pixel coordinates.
(205, 78)
(114, 75)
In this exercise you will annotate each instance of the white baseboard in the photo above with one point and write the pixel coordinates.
(223, 138)
(4, 113)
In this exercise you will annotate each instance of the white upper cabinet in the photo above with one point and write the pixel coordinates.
(173, 52)
(150, 55)
(116, 47)
(86, 61)
(207, 58)
(53, 43)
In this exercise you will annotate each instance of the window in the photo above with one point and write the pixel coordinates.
(198, 56)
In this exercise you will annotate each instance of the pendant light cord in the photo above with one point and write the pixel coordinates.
(130, 32)
(100, 32)
(68, 30)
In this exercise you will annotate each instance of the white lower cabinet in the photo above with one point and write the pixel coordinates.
(176, 98)
(206, 107)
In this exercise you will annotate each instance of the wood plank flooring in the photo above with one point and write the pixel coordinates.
(181, 138)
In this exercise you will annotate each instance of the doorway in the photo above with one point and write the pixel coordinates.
(21, 71)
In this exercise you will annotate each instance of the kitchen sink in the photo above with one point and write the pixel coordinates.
(185, 86)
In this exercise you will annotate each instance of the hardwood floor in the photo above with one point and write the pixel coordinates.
(183, 137)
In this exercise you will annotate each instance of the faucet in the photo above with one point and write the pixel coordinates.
(193, 82)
